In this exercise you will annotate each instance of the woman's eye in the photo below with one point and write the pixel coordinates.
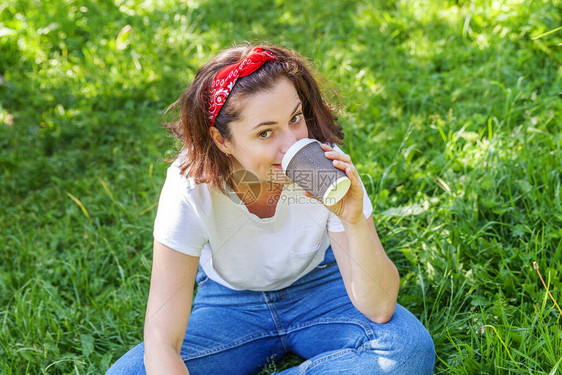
(296, 118)
(262, 134)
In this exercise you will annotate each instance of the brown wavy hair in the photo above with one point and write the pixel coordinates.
(201, 158)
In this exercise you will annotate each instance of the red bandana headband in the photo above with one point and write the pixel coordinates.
(226, 78)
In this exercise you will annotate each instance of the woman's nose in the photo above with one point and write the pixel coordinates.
(289, 140)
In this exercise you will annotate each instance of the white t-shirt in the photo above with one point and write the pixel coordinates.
(237, 248)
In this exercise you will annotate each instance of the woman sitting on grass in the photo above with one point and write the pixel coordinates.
(276, 270)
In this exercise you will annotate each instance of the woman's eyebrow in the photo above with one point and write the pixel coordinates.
(275, 122)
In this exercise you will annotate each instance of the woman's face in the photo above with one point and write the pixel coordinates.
(270, 122)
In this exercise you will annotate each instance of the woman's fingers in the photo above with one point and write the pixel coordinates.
(337, 156)
(340, 161)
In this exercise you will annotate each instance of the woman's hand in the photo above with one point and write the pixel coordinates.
(350, 207)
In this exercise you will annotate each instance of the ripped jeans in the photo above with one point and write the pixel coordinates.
(238, 332)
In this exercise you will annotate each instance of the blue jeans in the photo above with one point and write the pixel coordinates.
(238, 332)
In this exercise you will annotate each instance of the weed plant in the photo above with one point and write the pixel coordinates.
(452, 111)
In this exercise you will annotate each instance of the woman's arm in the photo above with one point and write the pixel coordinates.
(370, 277)
(168, 309)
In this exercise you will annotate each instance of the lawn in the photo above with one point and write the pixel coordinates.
(453, 116)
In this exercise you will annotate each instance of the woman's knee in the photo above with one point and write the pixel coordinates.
(403, 345)
(414, 355)
(420, 353)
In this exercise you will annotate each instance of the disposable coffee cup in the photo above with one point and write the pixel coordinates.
(305, 164)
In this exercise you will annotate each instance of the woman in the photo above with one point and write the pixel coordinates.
(277, 271)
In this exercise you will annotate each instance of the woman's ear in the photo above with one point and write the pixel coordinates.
(219, 140)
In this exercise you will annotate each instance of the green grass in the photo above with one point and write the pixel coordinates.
(453, 118)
